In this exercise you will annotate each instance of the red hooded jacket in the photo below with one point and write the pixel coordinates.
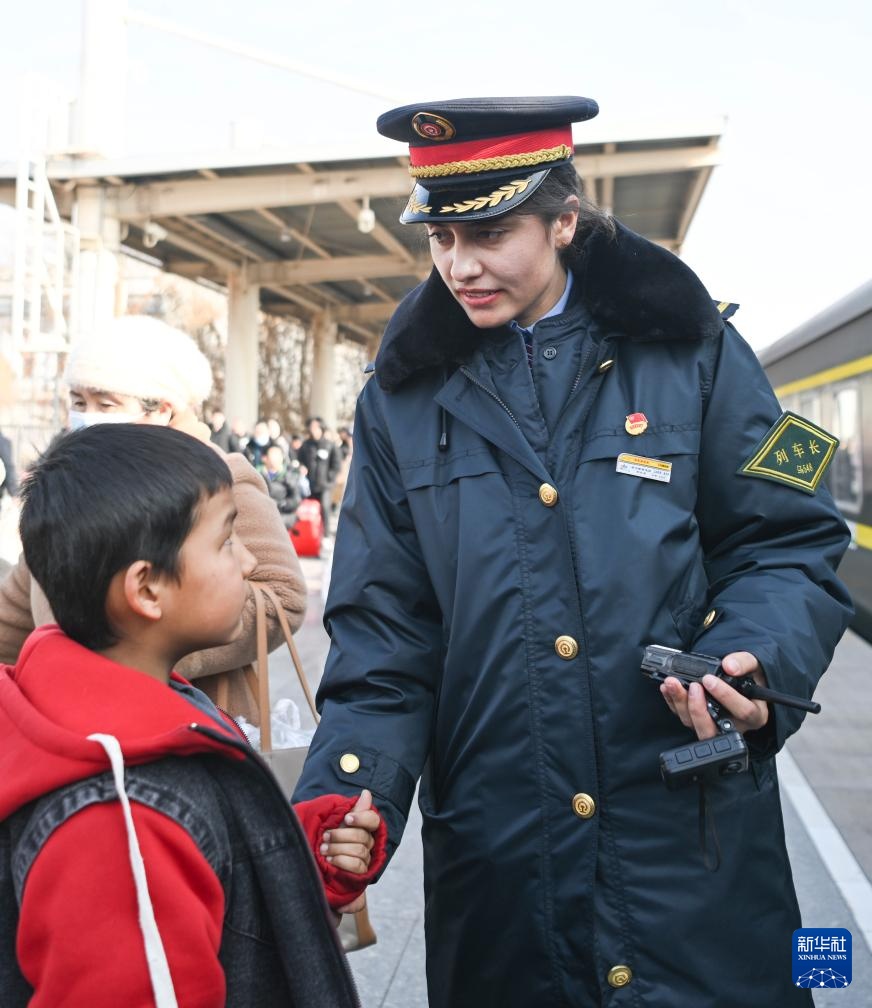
(79, 940)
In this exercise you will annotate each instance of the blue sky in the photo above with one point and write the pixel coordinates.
(783, 227)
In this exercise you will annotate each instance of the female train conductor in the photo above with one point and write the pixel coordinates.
(568, 453)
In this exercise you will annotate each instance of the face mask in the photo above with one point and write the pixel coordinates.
(78, 419)
(261, 441)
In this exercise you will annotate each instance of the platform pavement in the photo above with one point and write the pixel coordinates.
(832, 750)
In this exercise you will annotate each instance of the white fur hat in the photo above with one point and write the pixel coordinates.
(140, 356)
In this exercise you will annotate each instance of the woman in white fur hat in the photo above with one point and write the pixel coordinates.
(136, 368)
(140, 370)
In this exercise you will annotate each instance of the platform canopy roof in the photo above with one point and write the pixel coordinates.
(290, 219)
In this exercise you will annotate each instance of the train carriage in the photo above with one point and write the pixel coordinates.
(823, 371)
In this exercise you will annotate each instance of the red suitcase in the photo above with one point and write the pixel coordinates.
(308, 530)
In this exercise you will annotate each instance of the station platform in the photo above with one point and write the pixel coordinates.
(826, 788)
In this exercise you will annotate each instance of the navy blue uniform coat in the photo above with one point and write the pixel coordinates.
(451, 582)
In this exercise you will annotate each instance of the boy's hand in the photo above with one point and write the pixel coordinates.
(349, 847)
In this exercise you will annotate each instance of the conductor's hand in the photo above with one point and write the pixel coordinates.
(185, 420)
(349, 847)
(690, 707)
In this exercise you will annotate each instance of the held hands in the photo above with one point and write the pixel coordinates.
(690, 707)
(350, 847)
(349, 839)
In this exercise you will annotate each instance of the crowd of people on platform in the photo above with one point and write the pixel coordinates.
(295, 467)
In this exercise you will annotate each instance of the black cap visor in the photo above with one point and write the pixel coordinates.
(478, 198)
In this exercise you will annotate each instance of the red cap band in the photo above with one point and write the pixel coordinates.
(488, 148)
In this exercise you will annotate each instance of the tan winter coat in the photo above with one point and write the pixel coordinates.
(23, 606)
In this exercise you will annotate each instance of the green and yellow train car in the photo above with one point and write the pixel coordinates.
(823, 371)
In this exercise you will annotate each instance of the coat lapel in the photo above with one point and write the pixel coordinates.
(474, 402)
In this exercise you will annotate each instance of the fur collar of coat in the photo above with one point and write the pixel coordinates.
(627, 283)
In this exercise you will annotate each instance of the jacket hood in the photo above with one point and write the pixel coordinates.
(59, 693)
(627, 283)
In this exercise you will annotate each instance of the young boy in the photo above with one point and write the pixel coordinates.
(147, 856)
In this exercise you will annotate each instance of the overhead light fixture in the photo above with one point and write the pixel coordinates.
(366, 217)
(285, 235)
(153, 233)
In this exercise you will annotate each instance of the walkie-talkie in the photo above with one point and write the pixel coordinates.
(659, 662)
(725, 753)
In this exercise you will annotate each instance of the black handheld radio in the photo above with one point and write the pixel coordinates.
(727, 752)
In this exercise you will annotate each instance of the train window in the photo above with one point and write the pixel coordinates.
(846, 472)
(810, 407)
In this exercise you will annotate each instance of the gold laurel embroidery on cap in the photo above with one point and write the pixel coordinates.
(491, 200)
(413, 206)
(491, 164)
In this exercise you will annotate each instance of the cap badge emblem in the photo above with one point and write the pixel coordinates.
(636, 423)
(432, 127)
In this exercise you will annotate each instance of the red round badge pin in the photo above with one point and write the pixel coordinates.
(432, 127)
(636, 423)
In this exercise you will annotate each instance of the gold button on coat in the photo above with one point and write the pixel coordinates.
(583, 805)
(709, 618)
(548, 495)
(619, 976)
(606, 364)
(349, 762)
(566, 647)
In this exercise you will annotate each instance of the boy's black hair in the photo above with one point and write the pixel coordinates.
(103, 497)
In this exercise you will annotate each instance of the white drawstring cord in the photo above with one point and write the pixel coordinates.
(158, 967)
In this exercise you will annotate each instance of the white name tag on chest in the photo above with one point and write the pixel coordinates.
(647, 468)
